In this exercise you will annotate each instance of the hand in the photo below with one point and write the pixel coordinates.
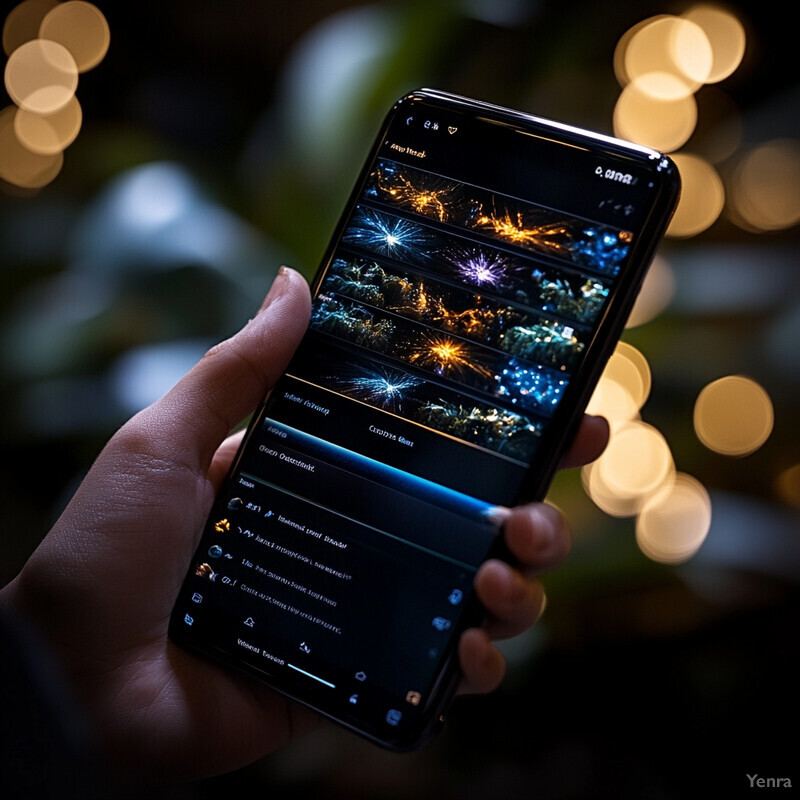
(101, 585)
(538, 536)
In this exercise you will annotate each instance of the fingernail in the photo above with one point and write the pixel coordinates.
(277, 288)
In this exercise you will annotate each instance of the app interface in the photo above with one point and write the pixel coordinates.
(461, 294)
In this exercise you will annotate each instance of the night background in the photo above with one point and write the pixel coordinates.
(219, 141)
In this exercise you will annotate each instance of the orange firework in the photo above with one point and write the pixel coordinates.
(513, 229)
(446, 356)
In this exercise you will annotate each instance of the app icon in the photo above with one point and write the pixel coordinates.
(188, 620)
(204, 571)
(222, 526)
(250, 622)
(215, 551)
(393, 716)
(361, 676)
(413, 697)
(197, 597)
(441, 624)
(304, 648)
(353, 699)
(456, 596)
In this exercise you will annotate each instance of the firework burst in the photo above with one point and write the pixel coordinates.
(513, 228)
(417, 191)
(481, 268)
(380, 387)
(386, 235)
(446, 356)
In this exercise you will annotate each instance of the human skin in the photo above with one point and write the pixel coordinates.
(100, 587)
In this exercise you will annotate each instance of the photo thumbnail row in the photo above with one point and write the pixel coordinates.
(395, 390)
(457, 311)
(532, 387)
(545, 231)
(519, 279)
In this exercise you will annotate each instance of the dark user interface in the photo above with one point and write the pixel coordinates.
(460, 297)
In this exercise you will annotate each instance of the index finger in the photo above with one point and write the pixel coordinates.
(589, 442)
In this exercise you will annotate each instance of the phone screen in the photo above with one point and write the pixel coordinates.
(477, 281)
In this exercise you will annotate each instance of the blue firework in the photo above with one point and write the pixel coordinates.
(387, 235)
(380, 387)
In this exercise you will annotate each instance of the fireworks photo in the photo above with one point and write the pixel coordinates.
(425, 402)
(421, 192)
(445, 355)
(387, 235)
(459, 309)
(573, 293)
(513, 221)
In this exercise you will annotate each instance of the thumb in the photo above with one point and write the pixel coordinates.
(196, 415)
(144, 480)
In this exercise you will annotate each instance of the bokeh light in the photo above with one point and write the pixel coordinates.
(675, 521)
(604, 497)
(620, 60)
(659, 122)
(49, 134)
(669, 45)
(629, 368)
(623, 387)
(18, 165)
(655, 295)
(726, 36)
(41, 76)
(81, 28)
(733, 416)
(23, 22)
(48, 45)
(788, 486)
(636, 462)
(702, 196)
(661, 63)
(613, 401)
(765, 187)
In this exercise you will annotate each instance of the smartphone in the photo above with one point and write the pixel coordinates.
(477, 282)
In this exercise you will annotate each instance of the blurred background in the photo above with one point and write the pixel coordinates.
(161, 160)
